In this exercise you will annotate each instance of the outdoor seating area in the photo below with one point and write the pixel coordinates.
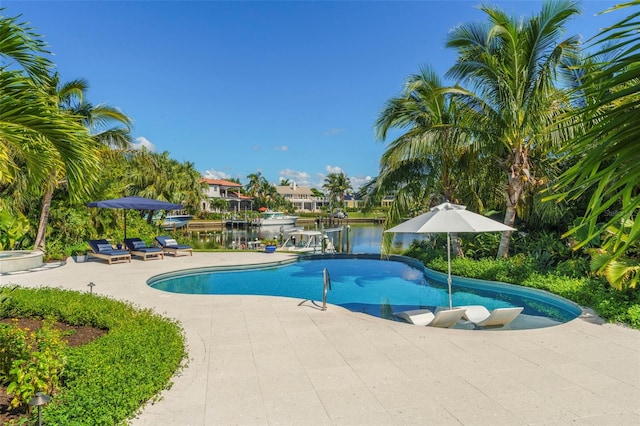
(137, 247)
(481, 317)
(477, 315)
(575, 372)
(170, 245)
(444, 318)
(102, 249)
(105, 250)
(551, 365)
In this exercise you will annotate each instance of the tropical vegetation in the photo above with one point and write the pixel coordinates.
(58, 151)
(104, 382)
(336, 185)
(564, 276)
(537, 126)
(265, 195)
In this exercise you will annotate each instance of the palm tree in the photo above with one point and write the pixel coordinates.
(157, 176)
(337, 184)
(255, 183)
(107, 125)
(35, 136)
(267, 194)
(510, 65)
(21, 45)
(429, 162)
(608, 150)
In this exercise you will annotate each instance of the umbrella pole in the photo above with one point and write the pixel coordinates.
(449, 269)
(125, 224)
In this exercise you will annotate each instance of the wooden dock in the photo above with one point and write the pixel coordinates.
(221, 225)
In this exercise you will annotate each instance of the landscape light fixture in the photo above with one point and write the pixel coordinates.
(91, 285)
(39, 400)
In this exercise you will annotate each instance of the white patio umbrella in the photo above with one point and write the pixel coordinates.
(448, 217)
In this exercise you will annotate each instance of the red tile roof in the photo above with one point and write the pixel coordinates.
(239, 195)
(221, 182)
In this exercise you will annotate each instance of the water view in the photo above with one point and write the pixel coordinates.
(360, 238)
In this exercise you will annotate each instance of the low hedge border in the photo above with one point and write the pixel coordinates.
(108, 380)
(613, 305)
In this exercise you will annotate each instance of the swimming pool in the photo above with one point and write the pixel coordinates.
(364, 283)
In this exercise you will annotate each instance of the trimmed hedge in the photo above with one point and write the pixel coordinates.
(611, 304)
(106, 381)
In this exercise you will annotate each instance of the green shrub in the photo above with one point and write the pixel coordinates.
(108, 380)
(39, 365)
(13, 345)
(569, 279)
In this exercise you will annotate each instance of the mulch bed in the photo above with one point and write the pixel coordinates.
(74, 336)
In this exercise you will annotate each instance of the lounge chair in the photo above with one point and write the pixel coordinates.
(445, 318)
(481, 317)
(169, 245)
(103, 250)
(137, 247)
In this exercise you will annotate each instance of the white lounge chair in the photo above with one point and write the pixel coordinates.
(445, 318)
(481, 317)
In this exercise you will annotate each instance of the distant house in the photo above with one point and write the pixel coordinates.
(302, 198)
(387, 200)
(353, 201)
(225, 190)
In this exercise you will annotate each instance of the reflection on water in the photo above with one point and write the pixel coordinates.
(351, 238)
(371, 286)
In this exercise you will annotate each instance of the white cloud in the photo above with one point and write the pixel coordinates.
(333, 169)
(358, 182)
(300, 178)
(281, 148)
(216, 174)
(256, 147)
(141, 142)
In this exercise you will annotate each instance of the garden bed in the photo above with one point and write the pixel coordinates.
(125, 355)
(74, 336)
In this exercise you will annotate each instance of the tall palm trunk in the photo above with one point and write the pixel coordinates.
(519, 173)
(456, 246)
(40, 241)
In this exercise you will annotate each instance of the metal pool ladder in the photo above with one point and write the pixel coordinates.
(326, 288)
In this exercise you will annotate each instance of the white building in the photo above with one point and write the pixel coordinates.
(302, 198)
(226, 190)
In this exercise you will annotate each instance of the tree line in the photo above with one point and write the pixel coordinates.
(58, 151)
(537, 125)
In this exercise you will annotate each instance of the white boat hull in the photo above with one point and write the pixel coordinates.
(276, 219)
(278, 222)
(175, 222)
(308, 242)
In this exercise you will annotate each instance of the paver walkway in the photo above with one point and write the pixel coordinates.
(257, 360)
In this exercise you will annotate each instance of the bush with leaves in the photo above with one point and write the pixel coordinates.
(36, 361)
(106, 381)
(13, 229)
(567, 280)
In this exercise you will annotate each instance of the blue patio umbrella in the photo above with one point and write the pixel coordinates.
(134, 203)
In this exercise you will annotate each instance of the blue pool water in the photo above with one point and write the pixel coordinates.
(365, 284)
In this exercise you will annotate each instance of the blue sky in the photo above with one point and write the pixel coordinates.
(289, 89)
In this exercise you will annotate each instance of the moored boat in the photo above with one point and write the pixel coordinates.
(176, 221)
(272, 218)
(308, 242)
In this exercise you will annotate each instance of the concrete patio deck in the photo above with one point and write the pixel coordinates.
(257, 360)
